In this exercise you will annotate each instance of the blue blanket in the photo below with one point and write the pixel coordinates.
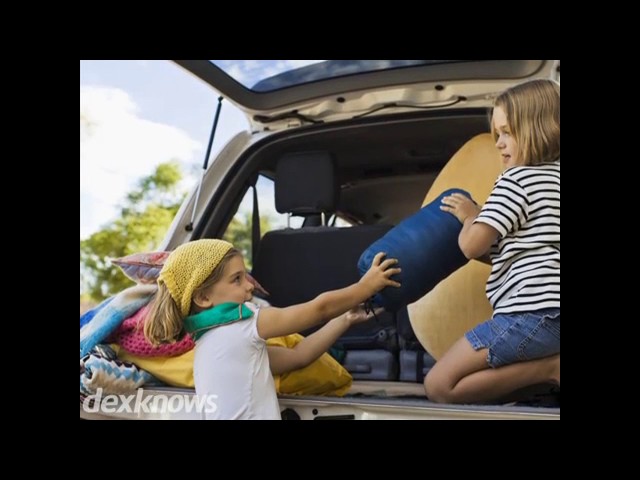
(110, 314)
(87, 316)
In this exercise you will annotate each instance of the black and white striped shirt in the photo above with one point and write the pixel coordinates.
(524, 207)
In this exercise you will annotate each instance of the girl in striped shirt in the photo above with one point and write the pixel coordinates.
(518, 233)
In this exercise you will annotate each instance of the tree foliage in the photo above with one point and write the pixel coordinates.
(144, 218)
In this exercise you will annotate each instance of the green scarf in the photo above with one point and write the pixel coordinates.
(200, 323)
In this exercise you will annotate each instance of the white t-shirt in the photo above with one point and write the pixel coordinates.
(231, 362)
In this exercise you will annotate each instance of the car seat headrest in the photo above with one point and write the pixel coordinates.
(306, 183)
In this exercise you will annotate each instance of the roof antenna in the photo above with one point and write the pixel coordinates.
(189, 226)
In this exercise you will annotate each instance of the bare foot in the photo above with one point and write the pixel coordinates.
(555, 372)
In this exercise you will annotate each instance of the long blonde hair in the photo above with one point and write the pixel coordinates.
(533, 114)
(164, 322)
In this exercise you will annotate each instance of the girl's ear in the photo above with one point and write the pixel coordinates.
(202, 300)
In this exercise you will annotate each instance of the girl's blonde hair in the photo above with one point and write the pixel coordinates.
(164, 322)
(533, 114)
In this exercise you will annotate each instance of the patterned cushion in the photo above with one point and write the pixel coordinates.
(144, 268)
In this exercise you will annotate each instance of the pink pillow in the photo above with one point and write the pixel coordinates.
(131, 338)
(145, 267)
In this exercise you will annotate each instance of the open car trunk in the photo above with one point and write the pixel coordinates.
(384, 167)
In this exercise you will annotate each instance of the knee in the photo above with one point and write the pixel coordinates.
(437, 388)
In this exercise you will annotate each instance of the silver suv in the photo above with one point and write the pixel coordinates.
(385, 129)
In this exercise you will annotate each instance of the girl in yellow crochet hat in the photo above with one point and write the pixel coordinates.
(203, 289)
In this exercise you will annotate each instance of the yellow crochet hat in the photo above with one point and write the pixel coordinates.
(189, 266)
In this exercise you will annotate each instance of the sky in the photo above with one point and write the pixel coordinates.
(135, 114)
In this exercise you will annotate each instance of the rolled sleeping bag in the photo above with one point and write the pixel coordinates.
(426, 246)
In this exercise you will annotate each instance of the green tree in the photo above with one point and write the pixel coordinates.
(145, 216)
(144, 219)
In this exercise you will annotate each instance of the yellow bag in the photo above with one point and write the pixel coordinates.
(325, 376)
(175, 371)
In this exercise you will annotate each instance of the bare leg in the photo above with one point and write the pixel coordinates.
(463, 375)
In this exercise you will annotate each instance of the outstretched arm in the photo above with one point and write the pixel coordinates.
(283, 360)
(275, 322)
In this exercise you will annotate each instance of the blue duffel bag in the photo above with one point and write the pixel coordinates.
(426, 246)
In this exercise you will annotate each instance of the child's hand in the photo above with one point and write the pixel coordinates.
(359, 314)
(378, 276)
(460, 206)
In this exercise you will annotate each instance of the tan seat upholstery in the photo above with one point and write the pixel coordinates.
(459, 302)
